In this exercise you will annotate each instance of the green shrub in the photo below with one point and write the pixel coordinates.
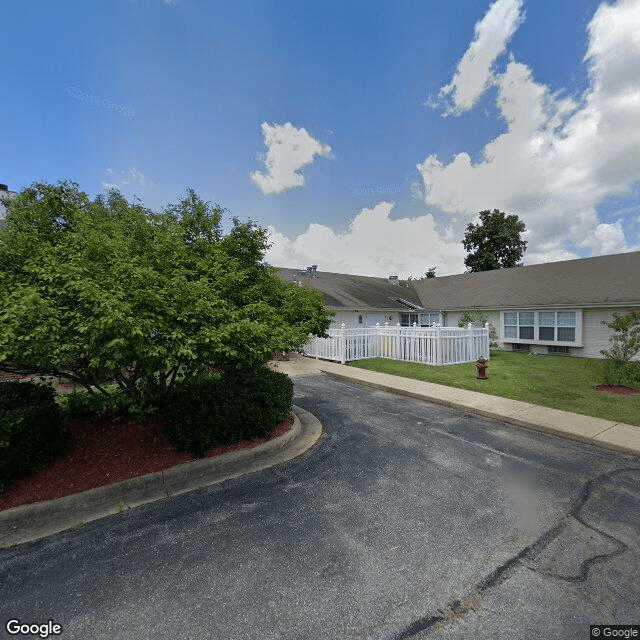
(625, 345)
(193, 411)
(257, 400)
(31, 430)
(479, 319)
(616, 372)
(82, 404)
(214, 409)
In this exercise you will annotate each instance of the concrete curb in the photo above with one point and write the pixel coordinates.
(34, 521)
(607, 434)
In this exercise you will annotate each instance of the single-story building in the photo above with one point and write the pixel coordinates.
(359, 301)
(557, 307)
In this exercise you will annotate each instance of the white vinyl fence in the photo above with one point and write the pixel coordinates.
(428, 345)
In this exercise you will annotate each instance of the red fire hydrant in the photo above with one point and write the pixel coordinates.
(481, 366)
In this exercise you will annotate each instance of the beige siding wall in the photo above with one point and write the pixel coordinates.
(595, 334)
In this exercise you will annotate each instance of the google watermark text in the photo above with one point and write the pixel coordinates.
(47, 629)
(128, 113)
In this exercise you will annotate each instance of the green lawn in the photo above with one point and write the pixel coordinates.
(551, 381)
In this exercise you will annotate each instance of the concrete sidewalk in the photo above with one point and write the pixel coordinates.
(602, 433)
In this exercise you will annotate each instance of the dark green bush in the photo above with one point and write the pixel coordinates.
(257, 400)
(82, 404)
(214, 409)
(31, 430)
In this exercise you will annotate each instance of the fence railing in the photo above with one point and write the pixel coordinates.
(428, 345)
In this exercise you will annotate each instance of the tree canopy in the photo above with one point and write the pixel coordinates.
(495, 243)
(103, 289)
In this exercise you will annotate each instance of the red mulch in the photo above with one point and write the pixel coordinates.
(618, 390)
(5, 375)
(102, 452)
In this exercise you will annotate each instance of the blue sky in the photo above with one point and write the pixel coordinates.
(364, 135)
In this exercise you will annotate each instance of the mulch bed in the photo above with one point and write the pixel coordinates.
(102, 452)
(617, 390)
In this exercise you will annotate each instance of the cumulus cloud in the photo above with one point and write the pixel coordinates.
(559, 158)
(606, 239)
(289, 150)
(373, 245)
(474, 73)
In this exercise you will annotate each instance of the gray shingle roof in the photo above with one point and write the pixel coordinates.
(600, 281)
(344, 291)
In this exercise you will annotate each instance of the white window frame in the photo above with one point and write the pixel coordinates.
(422, 318)
(577, 342)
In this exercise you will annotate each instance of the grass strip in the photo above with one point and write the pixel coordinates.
(558, 382)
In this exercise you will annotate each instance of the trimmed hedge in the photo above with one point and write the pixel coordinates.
(31, 429)
(214, 409)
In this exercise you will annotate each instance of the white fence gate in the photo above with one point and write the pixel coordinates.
(428, 345)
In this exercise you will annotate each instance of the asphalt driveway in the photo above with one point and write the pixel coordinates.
(406, 520)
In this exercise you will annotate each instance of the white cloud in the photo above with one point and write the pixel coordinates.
(606, 239)
(138, 177)
(559, 159)
(289, 150)
(130, 182)
(373, 245)
(475, 70)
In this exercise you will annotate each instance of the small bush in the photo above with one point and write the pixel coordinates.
(214, 409)
(614, 372)
(82, 404)
(257, 400)
(31, 430)
(193, 411)
(625, 345)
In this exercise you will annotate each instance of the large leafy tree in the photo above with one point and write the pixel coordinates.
(102, 289)
(494, 243)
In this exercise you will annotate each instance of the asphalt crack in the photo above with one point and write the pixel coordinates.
(528, 557)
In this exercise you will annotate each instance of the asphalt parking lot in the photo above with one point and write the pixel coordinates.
(406, 520)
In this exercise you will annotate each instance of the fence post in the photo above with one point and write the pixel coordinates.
(488, 342)
(311, 347)
(396, 354)
(343, 344)
(377, 339)
(438, 345)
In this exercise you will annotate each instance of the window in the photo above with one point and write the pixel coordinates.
(407, 319)
(566, 326)
(520, 347)
(510, 325)
(544, 326)
(429, 319)
(420, 319)
(525, 322)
